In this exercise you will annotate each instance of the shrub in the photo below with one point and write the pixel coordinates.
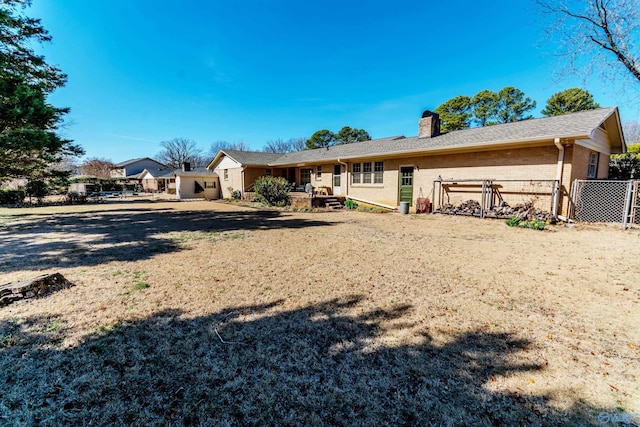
(74, 198)
(235, 194)
(37, 188)
(534, 224)
(350, 204)
(514, 222)
(272, 191)
(11, 197)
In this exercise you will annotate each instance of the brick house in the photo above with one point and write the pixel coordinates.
(391, 170)
(185, 183)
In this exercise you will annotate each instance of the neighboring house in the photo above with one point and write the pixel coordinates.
(391, 170)
(161, 180)
(185, 183)
(198, 183)
(132, 168)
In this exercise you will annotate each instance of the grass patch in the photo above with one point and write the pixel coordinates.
(54, 326)
(140, 286)
(449, 328)
(365, 208)
(185, 237)
(6, 340)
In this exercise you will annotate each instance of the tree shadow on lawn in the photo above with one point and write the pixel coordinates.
(262, 365)
(86, 239)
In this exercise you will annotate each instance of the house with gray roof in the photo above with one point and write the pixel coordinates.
(133, 167)
(388, 171)
(185, 183)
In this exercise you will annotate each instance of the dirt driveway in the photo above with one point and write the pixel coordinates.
(207, 313)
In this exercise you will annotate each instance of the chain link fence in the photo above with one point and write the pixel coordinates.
(606, 201)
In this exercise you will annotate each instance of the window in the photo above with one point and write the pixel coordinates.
(209, 184)
(226, 174)
(367, 173)
(378, 174)
(305, 176)
(319, 172)
(268, 172)
(592, 169)
(356, 173)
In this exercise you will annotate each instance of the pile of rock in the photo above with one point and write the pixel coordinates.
(470, 207)
(525, 211)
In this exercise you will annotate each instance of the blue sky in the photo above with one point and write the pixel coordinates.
(144, 71)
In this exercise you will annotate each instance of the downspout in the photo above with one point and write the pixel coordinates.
(346, 177)
(556, 202)
(242, 182)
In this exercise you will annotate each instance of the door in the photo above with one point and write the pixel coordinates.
(337, 175)
(406, 184)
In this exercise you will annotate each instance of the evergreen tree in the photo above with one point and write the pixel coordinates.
(512, 105)
(29, 144)
(455, 114)
(569, 101)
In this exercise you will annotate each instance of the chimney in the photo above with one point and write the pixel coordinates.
(186, 167)
(429, 124)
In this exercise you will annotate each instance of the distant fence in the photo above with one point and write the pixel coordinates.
(543, 194)
(606, 201)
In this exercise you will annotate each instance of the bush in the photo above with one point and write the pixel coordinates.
(272, 191)
(350, 204)
(624, 166)
(235, 194)
(74, 198)
(534, 224)
(37, 188)
(11, 197)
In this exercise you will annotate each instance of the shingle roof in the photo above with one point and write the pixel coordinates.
(575, 125)
(164, 173)
(195, 172)
(252, 158)
(131, 161)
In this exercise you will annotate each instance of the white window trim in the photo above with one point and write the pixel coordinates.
(592, 164)
(371, 174)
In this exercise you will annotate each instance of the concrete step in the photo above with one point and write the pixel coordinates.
(333, 204)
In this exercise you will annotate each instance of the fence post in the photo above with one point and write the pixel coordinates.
(572, 199)
(483, 199)
(627, 205)
(555, 198)
(433, 192)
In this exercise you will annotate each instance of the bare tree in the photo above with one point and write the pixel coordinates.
(596, 35)
(226, 145)
(631, 131)
(100, 168)
(68, 164)
(282, 146)
(177, 151)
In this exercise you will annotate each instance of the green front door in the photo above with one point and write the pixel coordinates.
(406, 184)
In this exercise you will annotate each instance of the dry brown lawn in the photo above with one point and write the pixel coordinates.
(207, 313)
